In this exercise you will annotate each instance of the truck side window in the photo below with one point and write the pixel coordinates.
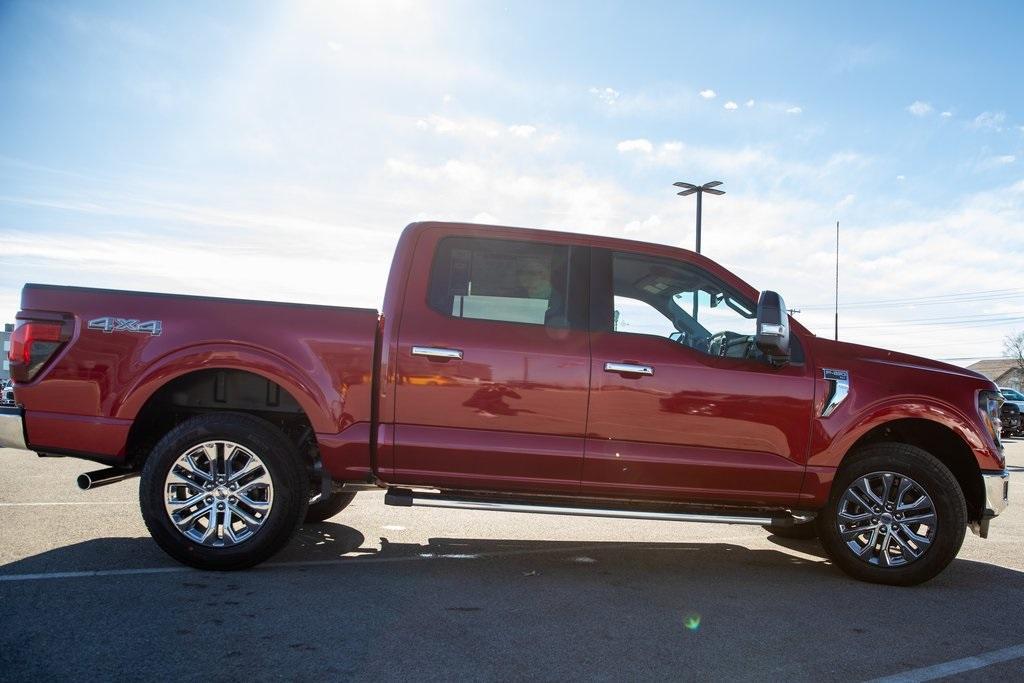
(505, 280)
(671, 299)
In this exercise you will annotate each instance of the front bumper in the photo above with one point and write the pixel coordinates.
(997, 497)
(12, 428)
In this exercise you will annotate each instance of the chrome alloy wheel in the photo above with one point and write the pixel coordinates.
(218, 493)
(887, 519)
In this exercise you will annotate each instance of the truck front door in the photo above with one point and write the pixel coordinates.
(493, 364)
(682, 405)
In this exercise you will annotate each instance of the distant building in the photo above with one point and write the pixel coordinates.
(1003, 371)
(5, 373)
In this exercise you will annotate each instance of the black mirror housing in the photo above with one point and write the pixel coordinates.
(772, 337)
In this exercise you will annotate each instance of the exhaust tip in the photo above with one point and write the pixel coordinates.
(91, 480)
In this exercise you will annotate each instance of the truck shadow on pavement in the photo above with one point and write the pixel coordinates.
(330, 544)
(472, 608)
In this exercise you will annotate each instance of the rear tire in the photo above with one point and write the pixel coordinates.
(248, 484)
(325, 508)
(921, 489)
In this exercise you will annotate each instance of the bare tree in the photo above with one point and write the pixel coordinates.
(1013, 347)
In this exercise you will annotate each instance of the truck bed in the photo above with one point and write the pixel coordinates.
(126, 345)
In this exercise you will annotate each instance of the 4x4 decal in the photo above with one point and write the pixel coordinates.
(108, 325)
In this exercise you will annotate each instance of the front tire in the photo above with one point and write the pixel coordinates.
(223, 491)
(896, 516)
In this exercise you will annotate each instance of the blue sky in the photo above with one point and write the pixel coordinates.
(276, 150)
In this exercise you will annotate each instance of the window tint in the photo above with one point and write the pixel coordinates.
(488, 279)
(680, 302)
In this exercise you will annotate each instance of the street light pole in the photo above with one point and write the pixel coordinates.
(699, 190)
(699, 195)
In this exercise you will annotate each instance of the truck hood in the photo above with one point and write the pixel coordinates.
(828, 349)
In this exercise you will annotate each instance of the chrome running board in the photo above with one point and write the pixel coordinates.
(409, 498)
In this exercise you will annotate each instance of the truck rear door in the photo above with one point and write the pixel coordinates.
(493, 363)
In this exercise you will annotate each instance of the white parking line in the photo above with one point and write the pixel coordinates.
(956, 666)
(97, 572)
(84, 502)
(352, 560)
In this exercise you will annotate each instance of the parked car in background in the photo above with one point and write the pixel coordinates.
(511, 370)
(1013, 396)
(7, 393)
(1012, 419)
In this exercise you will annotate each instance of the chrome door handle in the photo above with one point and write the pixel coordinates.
(435, 352)
(629, 368)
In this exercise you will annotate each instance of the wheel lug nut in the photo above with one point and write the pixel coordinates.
(209, 499)
(232, 499)
(220, 506)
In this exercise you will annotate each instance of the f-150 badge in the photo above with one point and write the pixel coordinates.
(108, 325)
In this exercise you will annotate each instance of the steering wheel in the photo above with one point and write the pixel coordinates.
(726, 344)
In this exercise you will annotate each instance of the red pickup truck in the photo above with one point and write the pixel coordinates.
(513, 370)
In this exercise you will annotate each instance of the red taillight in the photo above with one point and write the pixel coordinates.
(33, 343)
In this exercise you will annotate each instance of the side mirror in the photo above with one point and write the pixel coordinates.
(772, 328)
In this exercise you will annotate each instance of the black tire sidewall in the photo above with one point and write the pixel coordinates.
(282, 461)
(938, 482)
(327, 508)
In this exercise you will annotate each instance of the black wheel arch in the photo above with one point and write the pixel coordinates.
(213, 390)
(943, 444)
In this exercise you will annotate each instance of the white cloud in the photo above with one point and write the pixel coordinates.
(469, 126)
(753, 231)
(730, 105)
(334, 45)
(637, 145)
(794, 110)
(647, 225)
(522, 131)
(989, 121)
(946, 114)
(901, 177)
(997, 161)
(919, 108)
(708, 94)
(606, 95)
(749, 104)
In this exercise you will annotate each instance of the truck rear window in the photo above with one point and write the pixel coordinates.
(504, 280)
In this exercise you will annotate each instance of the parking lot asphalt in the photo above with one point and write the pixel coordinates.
(383, 593)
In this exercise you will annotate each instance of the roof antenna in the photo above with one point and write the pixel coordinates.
(837, 280)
